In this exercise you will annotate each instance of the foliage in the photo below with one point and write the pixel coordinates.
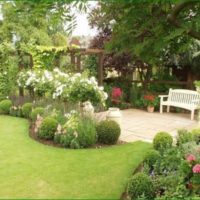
(152, 157)
(196, 135)
(27, 109)
(91, 64)
(162, 141)
(37, 111)
(183, 136)
(5, 106)
(108, 132)
(141, 186)
(73, 119)
(48, 128)
(125, 18)
(86, 132)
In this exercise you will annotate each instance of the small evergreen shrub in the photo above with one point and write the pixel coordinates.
(152, 157)
(48, 128)
(196, 135)
(5, 106)
(36, 111)
(26, 109)
(141, 186)
(108, 132)
(162, 141)
(86, 132)
(183, 136)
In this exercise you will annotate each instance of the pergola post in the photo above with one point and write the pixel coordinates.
(73, 62)
(78, 63)
(100, 68)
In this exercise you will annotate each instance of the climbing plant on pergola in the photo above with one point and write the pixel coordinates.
(75, 53)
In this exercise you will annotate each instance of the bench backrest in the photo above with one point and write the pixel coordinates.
(182, 96)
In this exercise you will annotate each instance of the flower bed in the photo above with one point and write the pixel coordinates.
(169, 172)
(76, 129)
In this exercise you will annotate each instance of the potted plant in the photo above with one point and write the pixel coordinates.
(150, 101)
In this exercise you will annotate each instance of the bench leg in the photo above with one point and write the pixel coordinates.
(192, 114)
(161, 108)
(168, 109)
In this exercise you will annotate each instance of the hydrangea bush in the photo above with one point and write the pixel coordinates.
(68, 87)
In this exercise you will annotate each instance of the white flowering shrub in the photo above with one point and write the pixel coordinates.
(68, 87)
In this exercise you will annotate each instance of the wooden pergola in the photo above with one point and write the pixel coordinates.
(76, 59)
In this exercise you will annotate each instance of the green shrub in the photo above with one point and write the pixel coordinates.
(196, 135)
(66, 139)
(36, 111)
(74, 144)
(5, 106)
(183, 136)
(162, 141)
(152, 157)
(141, 186)
(48, 128)
(108, 132)
(26, 109)
(57, 138)
(86, 132)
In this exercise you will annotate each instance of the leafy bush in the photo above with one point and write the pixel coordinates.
(26, 109)
(162, 141)
(183, 136)
(108, 132)
(75, 144)
(141, 186)
(86, 132)
(152, 157)
(196, 135)
(66, 139)
(48, 128)
(5, 106)
(37, 111)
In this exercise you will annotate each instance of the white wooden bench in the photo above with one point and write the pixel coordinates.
(187, 99)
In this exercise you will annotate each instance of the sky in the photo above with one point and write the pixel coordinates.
(83, 27)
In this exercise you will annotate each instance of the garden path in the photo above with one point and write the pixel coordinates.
(141, 125)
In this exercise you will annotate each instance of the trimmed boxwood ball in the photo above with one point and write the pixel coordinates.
(162, 141)
(36, 111)
(108, 132)
(152, 157)
(141, 187)
(48, 128)
(5, 106)
(26, 109)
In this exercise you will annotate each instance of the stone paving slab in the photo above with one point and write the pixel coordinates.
(141, 125)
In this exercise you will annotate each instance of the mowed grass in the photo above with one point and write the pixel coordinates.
(29, 169)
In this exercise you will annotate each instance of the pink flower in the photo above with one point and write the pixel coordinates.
(196, 169)
(116, 93)
(190, 158)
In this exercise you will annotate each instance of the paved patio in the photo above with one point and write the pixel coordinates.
(141, 125)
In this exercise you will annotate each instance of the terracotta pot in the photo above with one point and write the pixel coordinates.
(150, 109)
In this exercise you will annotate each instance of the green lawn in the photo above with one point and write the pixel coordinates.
(29, 169)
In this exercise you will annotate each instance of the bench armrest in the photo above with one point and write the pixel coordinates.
(162, 98)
